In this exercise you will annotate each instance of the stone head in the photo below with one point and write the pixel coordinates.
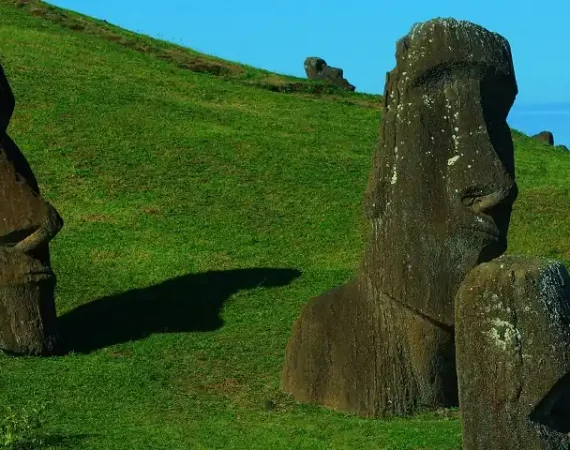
(27, 224)
(442, 184)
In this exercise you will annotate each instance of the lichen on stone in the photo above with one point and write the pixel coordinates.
(504, 334)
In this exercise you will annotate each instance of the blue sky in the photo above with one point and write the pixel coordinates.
(359, 36)
(278, 36)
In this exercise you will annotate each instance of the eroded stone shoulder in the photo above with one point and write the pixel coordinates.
(513, 353)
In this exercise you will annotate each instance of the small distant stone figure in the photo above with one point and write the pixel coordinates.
(439, 200)
(27, 224)
(513, 355)
(545, 136)
(317, 69)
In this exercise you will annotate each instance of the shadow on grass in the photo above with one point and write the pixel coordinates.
(62, 441)
(187, 303)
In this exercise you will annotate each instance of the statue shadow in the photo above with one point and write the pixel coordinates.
(183, 304)
(64, 441)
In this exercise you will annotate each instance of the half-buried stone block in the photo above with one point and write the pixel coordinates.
(27, 224)
(513, 355)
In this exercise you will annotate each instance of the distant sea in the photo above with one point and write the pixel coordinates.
(534, 118)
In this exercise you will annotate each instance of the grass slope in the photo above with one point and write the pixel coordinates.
(201, 213)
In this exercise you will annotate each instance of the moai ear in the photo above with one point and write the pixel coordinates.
(376, 190)
(402, 47)
(386, 91)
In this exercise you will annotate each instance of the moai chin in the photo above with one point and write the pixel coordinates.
(27, 224)
(439, 199)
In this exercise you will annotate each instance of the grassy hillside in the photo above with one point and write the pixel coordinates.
(201, 212)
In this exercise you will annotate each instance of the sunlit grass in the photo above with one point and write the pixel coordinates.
(163, 175)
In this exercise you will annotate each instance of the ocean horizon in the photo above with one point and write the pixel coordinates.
(532, 118)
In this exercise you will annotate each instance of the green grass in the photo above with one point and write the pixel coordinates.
(163, 174)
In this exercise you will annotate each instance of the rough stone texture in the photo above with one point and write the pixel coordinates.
(355, 350)
(317, 69)
(545, 136)
(27, 223)
(513, 355)
(439, 200)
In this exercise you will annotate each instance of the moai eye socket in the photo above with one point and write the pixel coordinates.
(497, 96)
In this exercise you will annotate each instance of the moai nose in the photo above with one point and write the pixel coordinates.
(485, 204)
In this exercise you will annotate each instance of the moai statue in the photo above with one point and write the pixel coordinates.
(513, 355)
(317, 69)
(27, 224)
(439, 200)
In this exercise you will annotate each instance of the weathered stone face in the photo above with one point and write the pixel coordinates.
(314, 66)
(439, 198)
(442, 184)
(317, 69)
(27, 224)
(545, 136)
(513, 355)
(22, 208)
